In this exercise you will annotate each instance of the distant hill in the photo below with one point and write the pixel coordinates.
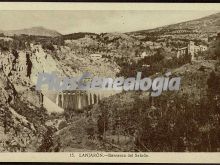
(36, 31)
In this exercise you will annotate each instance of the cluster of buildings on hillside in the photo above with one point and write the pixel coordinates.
(191, 49)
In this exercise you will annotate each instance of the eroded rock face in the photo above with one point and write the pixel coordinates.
(16, 131)
(8, 92)
(21, 119)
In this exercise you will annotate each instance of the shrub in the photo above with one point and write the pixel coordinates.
(62, 125)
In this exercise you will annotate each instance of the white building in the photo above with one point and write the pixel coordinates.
(96, 56)
(144, 54)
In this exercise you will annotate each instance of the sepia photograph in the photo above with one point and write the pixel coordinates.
(137, 81)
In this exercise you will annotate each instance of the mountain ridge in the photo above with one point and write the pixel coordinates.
(35, 31)
(184, 24)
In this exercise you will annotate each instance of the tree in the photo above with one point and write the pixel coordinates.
(47, 141)
(62, 125)
(217, 50)
(29, 65)
(102, 124)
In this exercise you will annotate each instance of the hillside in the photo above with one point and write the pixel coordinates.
(20, 120)
(206, 24)
(199, 29)
(135, 109)
(209, 24)
(174, 121)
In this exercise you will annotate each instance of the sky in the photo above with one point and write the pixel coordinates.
(95, 21)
